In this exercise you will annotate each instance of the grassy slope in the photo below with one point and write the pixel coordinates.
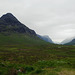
(24, 55)
(19, 39)
(71, 43)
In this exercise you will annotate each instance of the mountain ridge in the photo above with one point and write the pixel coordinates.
(68, 40)
(13, 32)
(71, 42)
(45, 38)
(9, 23)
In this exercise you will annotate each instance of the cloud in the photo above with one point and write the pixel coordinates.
(55, 18)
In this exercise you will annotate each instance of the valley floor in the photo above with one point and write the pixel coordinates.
(37, 60)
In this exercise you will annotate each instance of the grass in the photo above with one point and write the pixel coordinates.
(66, 72)
(25, 55)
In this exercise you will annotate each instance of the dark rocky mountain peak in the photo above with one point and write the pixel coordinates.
(9, 23)
(10, 19)
(8, 15)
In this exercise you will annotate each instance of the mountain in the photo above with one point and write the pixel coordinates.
(67, 40)
(9, 23)
(71, 42)
(45, 38)
(23, 53)
(13, 31)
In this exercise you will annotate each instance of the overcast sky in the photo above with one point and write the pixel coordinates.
(55, 18)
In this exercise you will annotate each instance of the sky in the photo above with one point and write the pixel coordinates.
(55, 18)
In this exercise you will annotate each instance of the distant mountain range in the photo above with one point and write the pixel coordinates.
(69, 41)
(45, 38)
(9, 25)
(12, 30)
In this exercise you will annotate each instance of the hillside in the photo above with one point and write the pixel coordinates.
(13, 31)
(71, 42)
(23, 53)
(45, 38)
(67, 40)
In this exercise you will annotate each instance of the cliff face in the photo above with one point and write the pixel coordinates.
(9, 23)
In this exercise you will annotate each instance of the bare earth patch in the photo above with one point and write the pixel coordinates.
(67, 72)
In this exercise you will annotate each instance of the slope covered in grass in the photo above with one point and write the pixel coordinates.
(16, 38)
(36, 59)
(71, 42)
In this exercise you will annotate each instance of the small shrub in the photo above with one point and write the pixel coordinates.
(37, 71)
(28, 69)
